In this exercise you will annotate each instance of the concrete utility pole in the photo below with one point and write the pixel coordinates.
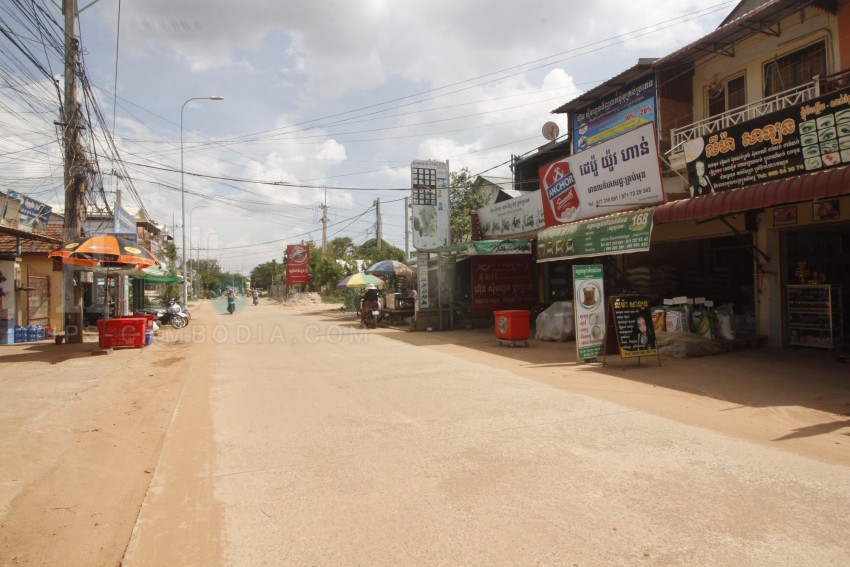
(325, 226)
(74, 177)
(378, 223)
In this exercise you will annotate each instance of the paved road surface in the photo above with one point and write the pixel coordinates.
(302, 440)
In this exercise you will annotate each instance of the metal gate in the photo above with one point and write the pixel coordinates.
(38, 298)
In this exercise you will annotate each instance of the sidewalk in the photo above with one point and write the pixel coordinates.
(796, 399)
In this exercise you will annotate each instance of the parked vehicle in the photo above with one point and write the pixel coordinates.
(172, 314)
(371, 314)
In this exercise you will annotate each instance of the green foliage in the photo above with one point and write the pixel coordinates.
(369, 253)
(171, 289)
(261, 275)
(464, 200)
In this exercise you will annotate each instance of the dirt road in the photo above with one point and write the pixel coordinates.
(287, 436)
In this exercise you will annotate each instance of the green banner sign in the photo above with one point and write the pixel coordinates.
(617, 233)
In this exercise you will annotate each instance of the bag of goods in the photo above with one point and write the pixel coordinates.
(659, 319)
(676, 319)
(701, 323)
(724, 325)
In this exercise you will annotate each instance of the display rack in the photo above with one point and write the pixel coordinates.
(815, 316)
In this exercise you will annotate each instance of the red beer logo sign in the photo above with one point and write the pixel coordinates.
(560, 193)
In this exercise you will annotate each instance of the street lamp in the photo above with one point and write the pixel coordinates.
(182, 189)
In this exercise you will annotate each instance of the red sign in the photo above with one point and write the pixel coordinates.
(502, 282)
(297, 264)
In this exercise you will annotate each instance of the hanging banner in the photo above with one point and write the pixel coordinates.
(619, 233)
(807, 137)
(619, 174)
(297, 264)
(422, 259)
(589, 307)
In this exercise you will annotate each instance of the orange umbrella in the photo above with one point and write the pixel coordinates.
(104, 250)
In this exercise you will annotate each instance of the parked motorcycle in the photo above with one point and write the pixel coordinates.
(172, 314)
(371, 313)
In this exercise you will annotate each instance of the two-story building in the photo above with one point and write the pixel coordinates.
(753, 131)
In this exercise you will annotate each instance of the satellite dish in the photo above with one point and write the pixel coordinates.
(550, 131)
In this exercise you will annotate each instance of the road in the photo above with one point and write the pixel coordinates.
(299, 439)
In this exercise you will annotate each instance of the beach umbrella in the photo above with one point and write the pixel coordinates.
(387, 268)
(359, 280)
(105, 251)
(109, 253)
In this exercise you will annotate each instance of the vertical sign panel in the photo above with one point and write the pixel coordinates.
(297, 264)
(429, 181)
(589, 306)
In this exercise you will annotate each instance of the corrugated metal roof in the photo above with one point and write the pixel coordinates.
(610, 86)
(826, 183)
(762, 19)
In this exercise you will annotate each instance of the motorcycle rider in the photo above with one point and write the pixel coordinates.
(256, 295)
(370, 301)
(231, 301)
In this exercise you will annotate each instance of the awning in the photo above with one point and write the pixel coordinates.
(486, 247)
(826, 183)
(617, 233)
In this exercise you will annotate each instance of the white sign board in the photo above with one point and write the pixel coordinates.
(429, 182)
(619, 174)
(515, 218)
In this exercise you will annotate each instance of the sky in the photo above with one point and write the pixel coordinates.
(325, 103)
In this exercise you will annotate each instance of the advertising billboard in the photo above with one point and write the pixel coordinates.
(297, 264)
(429, 182)
(802, 138)
(621, 111)
(519, 217)
(619, 174)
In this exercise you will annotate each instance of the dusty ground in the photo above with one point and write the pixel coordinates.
(81, 434)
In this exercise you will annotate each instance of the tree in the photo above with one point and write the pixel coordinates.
(369, 253)
(261, 275)
(464, 199)
(172, 289)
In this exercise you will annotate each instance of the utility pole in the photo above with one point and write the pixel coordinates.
(325, 226)
(378, 223)
(74, 176)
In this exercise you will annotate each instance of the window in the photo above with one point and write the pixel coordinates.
(727, 95)
(795, 69)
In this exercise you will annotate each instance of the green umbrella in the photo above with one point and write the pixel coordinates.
(359, 280)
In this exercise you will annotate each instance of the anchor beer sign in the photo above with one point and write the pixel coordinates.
(619, 174)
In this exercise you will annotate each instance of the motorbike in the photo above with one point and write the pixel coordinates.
(231, 304)
(256, 300)
(371, 313)
(172, 314)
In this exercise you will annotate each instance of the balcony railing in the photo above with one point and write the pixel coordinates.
(778, 101)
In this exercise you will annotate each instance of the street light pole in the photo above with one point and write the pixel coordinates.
(182, 188)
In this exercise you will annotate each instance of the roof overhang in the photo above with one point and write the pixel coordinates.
(610, 86)
(820, 185)
(9, 230)
(764, 19)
